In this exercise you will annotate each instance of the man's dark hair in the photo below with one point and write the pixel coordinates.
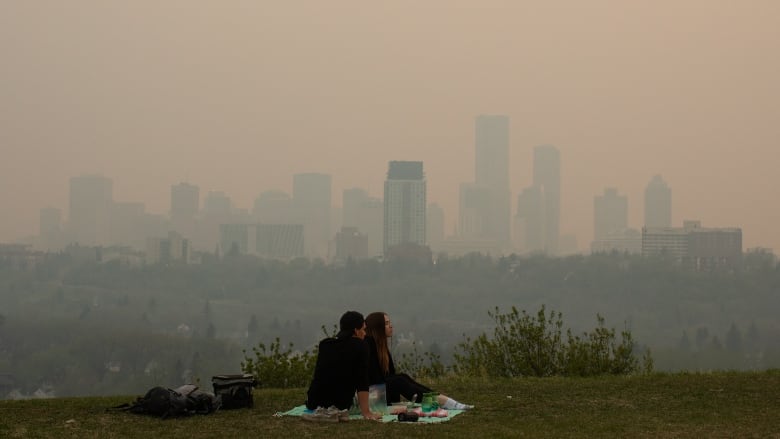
(350, 321)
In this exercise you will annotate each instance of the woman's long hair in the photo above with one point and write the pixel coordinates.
(375, 327)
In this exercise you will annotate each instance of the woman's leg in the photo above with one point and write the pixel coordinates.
(450, 404)
(404, 385)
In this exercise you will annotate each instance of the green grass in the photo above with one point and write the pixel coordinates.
(711, 405)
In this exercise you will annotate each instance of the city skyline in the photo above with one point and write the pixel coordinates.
(220, 221)
(239, 99)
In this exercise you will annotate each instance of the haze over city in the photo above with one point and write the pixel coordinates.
(240, 96)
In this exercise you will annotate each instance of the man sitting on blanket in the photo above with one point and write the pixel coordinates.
(342, 368)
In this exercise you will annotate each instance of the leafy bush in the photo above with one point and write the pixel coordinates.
(526, 345)
(415, 364)
(275, 367)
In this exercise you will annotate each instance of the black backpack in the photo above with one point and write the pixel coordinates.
(234, 391)
(167, 403)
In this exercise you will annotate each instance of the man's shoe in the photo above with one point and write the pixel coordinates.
(341, 415)
(321, 415)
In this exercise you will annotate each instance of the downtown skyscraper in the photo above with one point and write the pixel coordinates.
(492, 214)
(405, 205)
(547, 177)
(658, 203)
(610, 213)
(89, 214)
(539, 205)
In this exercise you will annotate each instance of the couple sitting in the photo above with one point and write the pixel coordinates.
(358, 357)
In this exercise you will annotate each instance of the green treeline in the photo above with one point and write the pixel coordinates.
(86, 329)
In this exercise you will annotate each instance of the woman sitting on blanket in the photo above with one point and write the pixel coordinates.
(381, 369)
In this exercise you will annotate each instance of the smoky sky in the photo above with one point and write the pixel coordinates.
(238, 96)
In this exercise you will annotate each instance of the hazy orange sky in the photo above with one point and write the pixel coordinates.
(240, 95)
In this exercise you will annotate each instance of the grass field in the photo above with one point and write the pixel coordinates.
(710, 405)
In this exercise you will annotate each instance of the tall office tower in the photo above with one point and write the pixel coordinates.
(610, 213)
(658, 203)
(273, 207)
(435, 226)
(352, 199)
(312, 201)
(89, 217)
(547, 177)
(405, 204)
(491, 148)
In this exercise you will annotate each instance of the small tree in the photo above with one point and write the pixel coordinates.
(274, 366)
(526, 345)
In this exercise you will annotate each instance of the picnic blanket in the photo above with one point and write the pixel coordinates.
(301, 409)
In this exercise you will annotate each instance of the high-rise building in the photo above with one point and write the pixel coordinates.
(610, 225)
(405, 204)
(610, 213)
(547, 177)
(658, 203)
(539, 206)
(89, 217)
(312, 201)
(491, 148)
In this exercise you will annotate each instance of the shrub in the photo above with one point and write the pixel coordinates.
(275, 367)
(415, 364)
(526, 345)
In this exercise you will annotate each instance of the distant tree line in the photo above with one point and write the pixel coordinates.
(237, 302)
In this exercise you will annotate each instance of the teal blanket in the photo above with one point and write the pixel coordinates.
(301, 409)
